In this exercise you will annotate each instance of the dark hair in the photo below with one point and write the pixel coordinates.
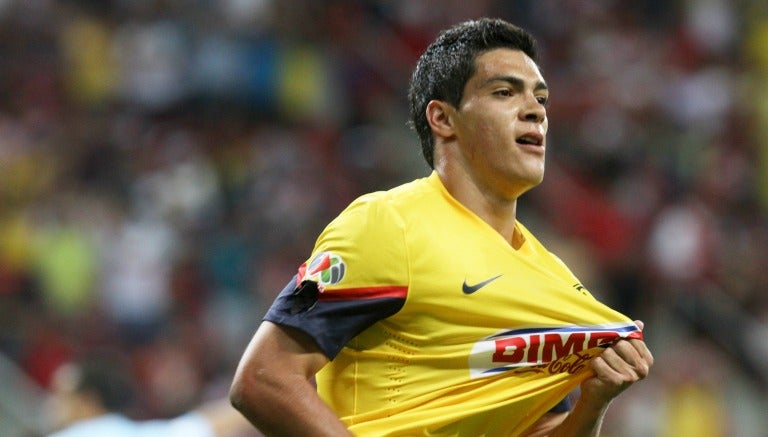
(108, 379)
(447, 64)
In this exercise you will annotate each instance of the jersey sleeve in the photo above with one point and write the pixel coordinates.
(564, 405)
(356, 276)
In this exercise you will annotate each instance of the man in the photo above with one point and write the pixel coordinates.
(89, 397)
(429, 309)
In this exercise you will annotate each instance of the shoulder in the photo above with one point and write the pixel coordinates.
(400, 196)
(390, 206)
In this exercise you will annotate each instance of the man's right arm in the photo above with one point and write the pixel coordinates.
(272, 386)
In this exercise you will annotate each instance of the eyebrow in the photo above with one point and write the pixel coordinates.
(516, 82)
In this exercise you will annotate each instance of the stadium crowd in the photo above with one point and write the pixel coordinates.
(166, 165)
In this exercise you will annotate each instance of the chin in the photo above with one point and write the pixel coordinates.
(536, 178)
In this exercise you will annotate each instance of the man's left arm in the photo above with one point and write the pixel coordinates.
(618, 367)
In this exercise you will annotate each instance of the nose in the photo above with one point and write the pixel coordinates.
(533, 110)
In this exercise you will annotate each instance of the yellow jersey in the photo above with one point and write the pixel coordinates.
(436, 325)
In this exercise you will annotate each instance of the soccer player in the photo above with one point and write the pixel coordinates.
(89, 398)
(429, 309)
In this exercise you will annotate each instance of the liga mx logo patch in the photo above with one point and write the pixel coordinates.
(326, 268)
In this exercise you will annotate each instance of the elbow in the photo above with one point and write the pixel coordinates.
(250, 393)
(254, 399)
(238, 394)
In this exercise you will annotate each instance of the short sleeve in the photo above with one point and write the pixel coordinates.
(356, 276)
(566, 404)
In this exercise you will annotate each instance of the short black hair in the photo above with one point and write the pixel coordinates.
(447, 64)
(107, 378)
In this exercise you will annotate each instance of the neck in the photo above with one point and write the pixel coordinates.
(499, 212)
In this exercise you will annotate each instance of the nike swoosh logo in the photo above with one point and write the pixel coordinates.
(469, 289)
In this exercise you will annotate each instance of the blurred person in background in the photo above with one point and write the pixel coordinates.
(379, 312)
(661, 164)
(93, 397)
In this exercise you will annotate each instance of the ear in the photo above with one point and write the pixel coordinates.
(439, 116)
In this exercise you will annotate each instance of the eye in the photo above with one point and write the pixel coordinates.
(543, 100)
(504, 92)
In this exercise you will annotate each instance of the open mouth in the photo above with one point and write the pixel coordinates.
(530, 139)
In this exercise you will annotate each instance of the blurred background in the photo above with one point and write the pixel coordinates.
(166, 165)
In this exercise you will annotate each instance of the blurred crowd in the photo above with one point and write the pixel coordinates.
(165, 166)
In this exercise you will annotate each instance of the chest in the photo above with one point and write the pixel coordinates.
(469, 285)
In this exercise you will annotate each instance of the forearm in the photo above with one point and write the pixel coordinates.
(272, 387)
(585, 420)
(286, 407)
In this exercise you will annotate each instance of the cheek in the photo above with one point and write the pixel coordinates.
(495, 129)
(488, 136)
(475, 134)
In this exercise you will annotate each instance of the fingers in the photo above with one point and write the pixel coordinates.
(630, 359)
(618, 367)
(641, 348)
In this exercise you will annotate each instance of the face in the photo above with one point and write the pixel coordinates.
(501, 124)
(65, 403)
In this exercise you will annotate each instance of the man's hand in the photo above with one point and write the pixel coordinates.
(618, 367)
